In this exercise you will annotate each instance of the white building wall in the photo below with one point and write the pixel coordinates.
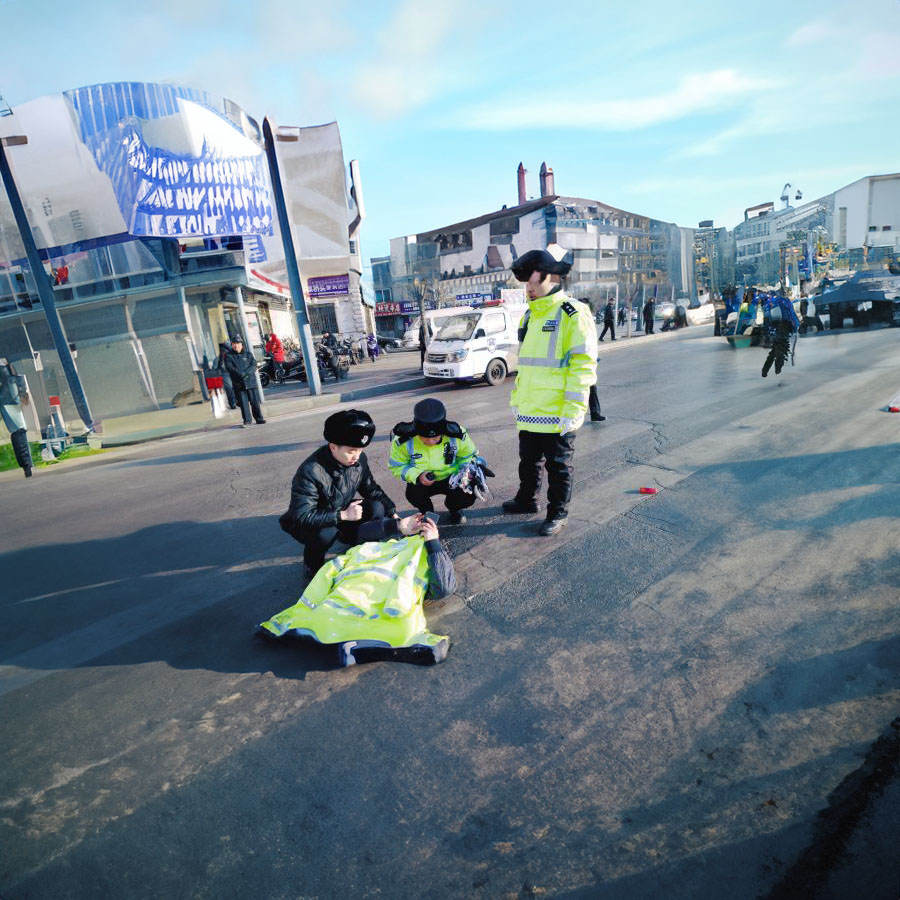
(855, 197)
(884, 210)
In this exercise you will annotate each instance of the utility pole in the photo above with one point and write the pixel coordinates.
(290, 261)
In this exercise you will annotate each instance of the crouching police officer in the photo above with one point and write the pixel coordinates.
(324, 506)
(426, 452)
(557, 366)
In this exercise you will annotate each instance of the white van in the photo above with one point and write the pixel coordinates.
(475, 344)
(433, 319)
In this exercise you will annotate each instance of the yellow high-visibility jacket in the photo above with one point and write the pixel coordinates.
(373, 592)
(557, 365)
(410, 457)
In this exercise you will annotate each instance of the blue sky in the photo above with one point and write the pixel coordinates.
(681, 111)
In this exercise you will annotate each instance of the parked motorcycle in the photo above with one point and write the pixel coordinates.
(292, 367)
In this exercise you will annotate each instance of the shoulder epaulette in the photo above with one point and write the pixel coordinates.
(403, 431)
(568, 309)
(454, 429)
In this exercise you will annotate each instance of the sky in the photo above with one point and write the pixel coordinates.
(681, 111)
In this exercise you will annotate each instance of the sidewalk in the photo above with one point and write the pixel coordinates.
(390, 373)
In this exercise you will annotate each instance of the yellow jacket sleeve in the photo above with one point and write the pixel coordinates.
(401, 463)
(581, 373)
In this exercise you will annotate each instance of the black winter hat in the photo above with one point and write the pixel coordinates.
(430, 417)
(538, 261)
(350, 428)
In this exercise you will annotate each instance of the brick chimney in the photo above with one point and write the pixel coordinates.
(547, 186)
(523, 197)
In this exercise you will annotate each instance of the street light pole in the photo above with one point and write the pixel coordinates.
(290, 262)
(45, 291)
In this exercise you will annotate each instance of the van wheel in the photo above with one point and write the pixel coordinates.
(495, 372)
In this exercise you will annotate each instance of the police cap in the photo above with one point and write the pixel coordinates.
(349, 428)
(538, 261)
(430, 417)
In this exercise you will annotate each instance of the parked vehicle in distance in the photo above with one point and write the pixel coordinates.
(475, 344)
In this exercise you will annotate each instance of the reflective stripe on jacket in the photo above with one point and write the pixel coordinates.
(372, 592)
(410, 458)
(557, 364)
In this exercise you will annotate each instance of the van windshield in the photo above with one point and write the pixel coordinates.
(458, 328)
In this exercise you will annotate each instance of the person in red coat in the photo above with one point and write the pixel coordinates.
(275, 349)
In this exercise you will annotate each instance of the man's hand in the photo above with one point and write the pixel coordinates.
(353, 513)
(410, 525)
(428, 529)
(566, 425)
(425, 480)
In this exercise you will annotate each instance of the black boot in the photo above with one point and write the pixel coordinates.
(22, 450)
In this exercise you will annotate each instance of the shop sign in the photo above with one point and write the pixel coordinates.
(328, 286)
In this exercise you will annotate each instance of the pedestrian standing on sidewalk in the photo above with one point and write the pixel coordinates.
(621, 316)
(241, 366)
(275, 349)
(649, 312)
(426, 453)
(222, 369)
(557, 366)
(12, 396)
(609, 323)
(324, 504)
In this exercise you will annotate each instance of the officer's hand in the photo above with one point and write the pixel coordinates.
(410, 525)
(428, 529)
(353, 513)
(425, 480)
(566, 425)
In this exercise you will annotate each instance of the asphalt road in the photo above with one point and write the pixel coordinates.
(686, 695)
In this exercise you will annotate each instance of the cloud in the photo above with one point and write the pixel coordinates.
(699, 93)
(405, 72)
(813, 33)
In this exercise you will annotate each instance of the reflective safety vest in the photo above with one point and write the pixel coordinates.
(411, 457)
(374, 592)
(557, 364)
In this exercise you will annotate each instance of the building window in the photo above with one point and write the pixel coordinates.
(873, 228)
(886, 227)
(322, 318)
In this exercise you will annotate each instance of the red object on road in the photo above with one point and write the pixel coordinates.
(646, 490)
(894, 409)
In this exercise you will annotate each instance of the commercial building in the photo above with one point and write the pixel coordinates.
(152, 211)
(862, 219)
(613, 249)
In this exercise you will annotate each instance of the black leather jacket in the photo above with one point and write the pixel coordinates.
(242, 368)
(322, 487)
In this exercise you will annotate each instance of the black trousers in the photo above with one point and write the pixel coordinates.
(556, 452)
(594, 402)
(419, 495)
(317, 541)
(611, 328)
(248, 400)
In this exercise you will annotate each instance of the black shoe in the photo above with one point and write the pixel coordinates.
(260, 421)
(549, 527)
(28, 471)
(598, 418)
(455, 517)
(514, 507)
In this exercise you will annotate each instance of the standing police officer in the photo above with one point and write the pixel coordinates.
(426, 452)
(557, 366)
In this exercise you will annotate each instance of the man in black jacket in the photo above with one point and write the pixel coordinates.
(241, 366)
(324, 505)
